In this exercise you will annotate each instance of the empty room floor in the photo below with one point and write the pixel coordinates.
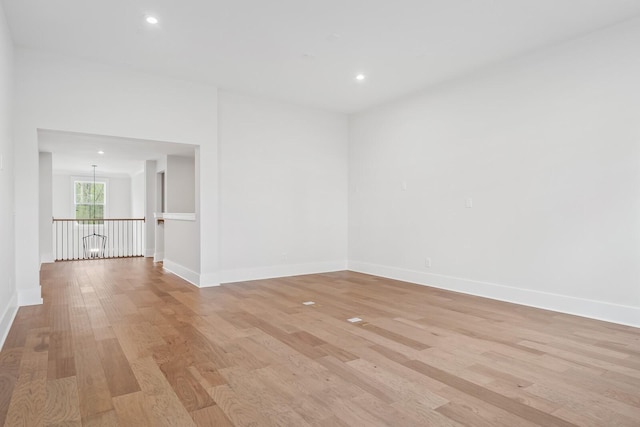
(122, 342)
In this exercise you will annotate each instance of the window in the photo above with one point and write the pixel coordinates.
(89, 199)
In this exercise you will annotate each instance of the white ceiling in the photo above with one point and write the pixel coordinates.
(75, 152)
(308, 51)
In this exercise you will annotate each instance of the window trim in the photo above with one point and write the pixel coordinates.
(89, 179)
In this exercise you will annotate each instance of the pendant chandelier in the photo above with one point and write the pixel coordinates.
(94, 244)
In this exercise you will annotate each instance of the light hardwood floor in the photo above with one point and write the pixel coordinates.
(121, 342)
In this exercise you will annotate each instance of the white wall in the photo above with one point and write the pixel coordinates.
(161, 184)
(150, 207)
(59, 93)
(138, 195)
(180, 250)
(119, 197)
(181, 238)
(62, 196)
(8, 295)
(180, 184)
(283, 189)
(46, 206)
(547, 146)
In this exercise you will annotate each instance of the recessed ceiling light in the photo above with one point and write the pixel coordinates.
(100, 152)
(360, 77)
(152, 20)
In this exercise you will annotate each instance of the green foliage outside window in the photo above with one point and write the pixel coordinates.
(89, 200)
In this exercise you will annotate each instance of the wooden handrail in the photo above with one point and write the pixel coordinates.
(98, 219)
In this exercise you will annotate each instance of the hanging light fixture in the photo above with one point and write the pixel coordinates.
(94, 244)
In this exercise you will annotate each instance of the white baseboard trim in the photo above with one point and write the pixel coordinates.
(196, 279)
(182, 271)
(158, 257)
(209, 280)
(6, 320)
(622, 314)
(46, 258)
(243, 275)
(29, 296)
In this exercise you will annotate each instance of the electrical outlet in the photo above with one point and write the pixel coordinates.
(468, 203)
(404, 185)
(284, 256)
(427, 262)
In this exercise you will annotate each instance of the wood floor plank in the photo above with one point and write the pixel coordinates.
(301, 398)
(133, 410)
(124, 342)
(61, 360)
(30, 392)
(119, 376)
(10, 363)
(471, 411)
(62, 406)
(367, 384)
(137, 339)
(403, 389)
(162, 399)
(190, 392)
(101, 419)
(18, 333)
(390, 414)
(93, 388)
(496, 399)
(240, 413)
(211, 416)
(395, 337)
